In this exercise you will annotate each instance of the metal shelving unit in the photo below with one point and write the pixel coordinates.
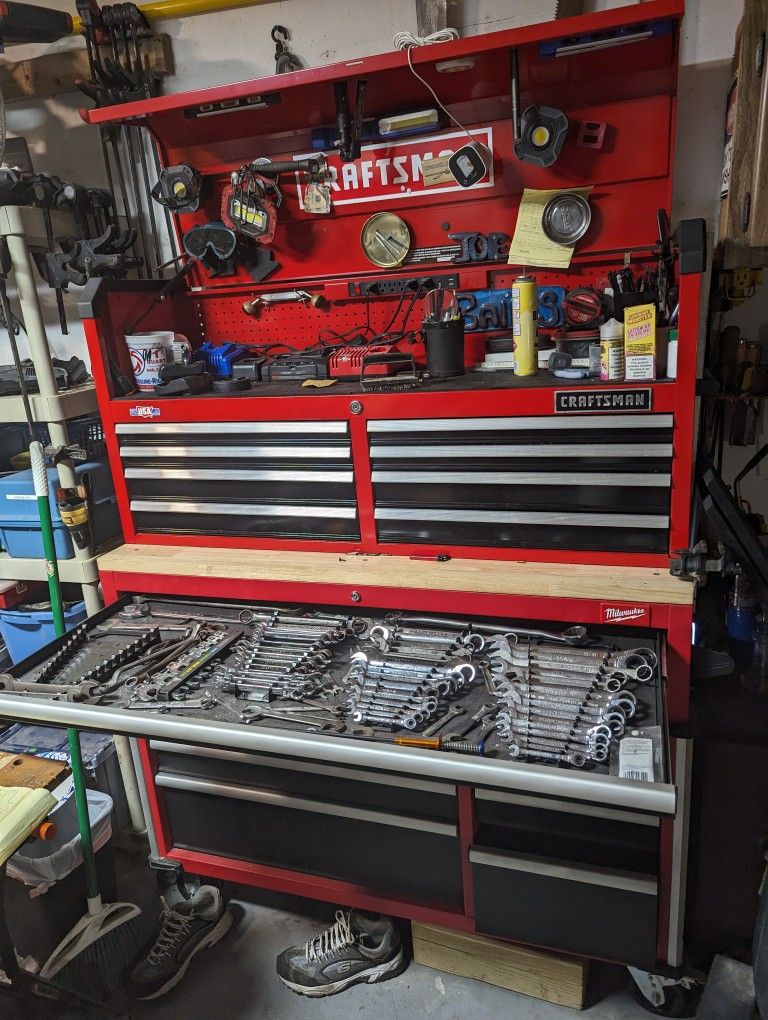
(49, 407)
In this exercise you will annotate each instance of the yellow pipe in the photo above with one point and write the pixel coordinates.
(162, 9)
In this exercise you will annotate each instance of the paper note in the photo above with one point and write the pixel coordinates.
(530, 245)
(21, 811)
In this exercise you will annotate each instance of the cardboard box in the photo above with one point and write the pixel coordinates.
(640, 343)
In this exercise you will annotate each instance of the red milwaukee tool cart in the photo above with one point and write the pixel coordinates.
(531, 501)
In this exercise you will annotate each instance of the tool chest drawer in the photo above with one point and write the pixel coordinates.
(482, 711)
(602, 912)
(580, 482)
(583, 835)
(397, 853)
(363, 788)
(273, 479)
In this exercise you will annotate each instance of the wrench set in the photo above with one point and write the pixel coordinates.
(564, 706)
(431, 682)
(284, 657)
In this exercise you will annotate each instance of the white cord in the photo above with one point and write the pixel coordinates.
(404, 40)
(407, 40)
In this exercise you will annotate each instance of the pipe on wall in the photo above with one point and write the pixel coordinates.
(166, 9)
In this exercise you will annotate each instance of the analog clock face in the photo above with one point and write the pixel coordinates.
(386, 239)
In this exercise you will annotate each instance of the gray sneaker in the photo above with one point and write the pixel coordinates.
(185, 929)
(354, 949)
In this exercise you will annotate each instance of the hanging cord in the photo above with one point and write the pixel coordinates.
(407, 40)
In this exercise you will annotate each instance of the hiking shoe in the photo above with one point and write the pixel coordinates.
(356, 948)
(185, 929)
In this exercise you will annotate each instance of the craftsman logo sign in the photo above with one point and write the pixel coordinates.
(144, 411)
(589, 401)
(391, 170)
(618, 612)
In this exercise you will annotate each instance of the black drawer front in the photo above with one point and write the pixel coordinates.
(581, 838)
(573, 909)
(317, 784)
(259, 479)
(179, 517)
(582, 481)
(389, 858)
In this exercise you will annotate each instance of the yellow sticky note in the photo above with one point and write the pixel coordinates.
(530, 245)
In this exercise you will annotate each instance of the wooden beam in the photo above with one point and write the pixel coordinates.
(559, 979)
(54, 73)
(503, 577)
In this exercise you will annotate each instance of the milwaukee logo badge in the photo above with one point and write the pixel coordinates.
(144, 411)
(391, 170)
(612, 613)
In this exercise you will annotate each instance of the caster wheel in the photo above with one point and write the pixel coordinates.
(678, 1001)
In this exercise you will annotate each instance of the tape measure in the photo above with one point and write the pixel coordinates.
(583, 308)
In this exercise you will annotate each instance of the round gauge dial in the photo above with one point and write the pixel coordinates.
(386, 239)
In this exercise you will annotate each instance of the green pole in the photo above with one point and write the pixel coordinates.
(40, 479)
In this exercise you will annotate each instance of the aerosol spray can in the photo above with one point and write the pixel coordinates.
(524, 325)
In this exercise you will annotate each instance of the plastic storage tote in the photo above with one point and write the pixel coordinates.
(39, 913)
(19, 522)
(102, 769)
(25, 630)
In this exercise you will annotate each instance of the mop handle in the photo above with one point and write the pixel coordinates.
(40, 479)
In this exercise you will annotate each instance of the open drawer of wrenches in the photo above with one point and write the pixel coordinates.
(505, 703)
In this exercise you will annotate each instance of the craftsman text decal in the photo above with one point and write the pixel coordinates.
(599, 401)
(390, 170)
(623, 612)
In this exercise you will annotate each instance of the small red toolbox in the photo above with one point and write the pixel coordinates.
(14, 592)
(348, 361)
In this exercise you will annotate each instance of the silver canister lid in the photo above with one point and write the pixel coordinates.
(566, 218)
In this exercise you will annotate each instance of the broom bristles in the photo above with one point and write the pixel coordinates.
(99, 969)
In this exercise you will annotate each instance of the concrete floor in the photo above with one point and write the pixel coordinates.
(236, 980)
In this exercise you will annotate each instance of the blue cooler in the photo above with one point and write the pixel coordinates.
(20, 524)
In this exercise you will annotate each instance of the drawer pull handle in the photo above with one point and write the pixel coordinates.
(582, 874)
(235, 792)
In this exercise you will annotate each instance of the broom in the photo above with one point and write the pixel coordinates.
(96, 952)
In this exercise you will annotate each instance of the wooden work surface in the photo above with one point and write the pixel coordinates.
(31, 772)
(554, 580)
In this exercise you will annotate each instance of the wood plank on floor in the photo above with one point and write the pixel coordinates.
(558, 979)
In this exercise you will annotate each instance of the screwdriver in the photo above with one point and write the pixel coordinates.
(439, 744)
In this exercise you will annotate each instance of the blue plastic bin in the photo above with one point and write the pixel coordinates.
(26, 630)
(20, 524)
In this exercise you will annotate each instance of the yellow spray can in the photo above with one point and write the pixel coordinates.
(524, 325)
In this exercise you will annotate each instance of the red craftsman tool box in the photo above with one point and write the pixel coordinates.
(543, 508)
(484, 464)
